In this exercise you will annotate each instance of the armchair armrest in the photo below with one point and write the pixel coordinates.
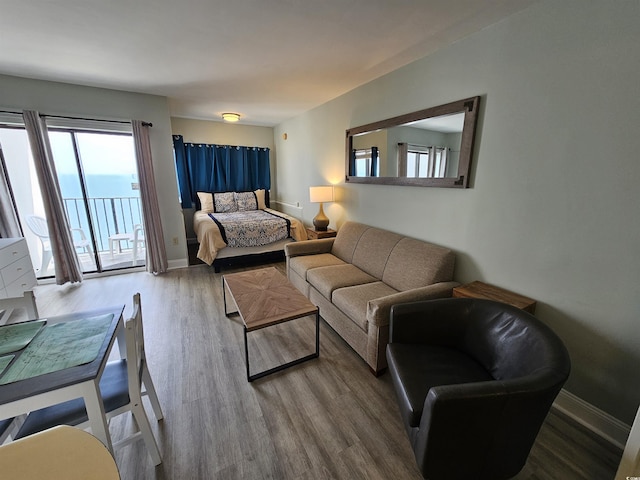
(476, 418)
(308, 247)
(379, 310)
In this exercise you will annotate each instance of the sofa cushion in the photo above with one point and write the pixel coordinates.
(352, 301)
(417, 367)
(414, 263)
(347, 239)
(328, 279)
(373, 250)
(302, 264)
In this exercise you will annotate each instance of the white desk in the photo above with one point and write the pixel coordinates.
(17, 278)
(82, 381)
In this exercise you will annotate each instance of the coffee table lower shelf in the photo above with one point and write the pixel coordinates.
(279, 368)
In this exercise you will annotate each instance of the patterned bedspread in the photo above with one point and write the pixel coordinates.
(211, 242)
(251, 228)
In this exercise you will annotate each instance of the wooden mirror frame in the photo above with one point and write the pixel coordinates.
(468, 106)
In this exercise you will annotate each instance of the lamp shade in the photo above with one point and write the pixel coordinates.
(321, 194)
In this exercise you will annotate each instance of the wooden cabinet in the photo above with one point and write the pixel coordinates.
(313, 234)
(17, 278)
(491, 292)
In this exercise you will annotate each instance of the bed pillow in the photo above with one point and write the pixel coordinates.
(260, 197)
(246, 201)
(225, 202)
(206, 202)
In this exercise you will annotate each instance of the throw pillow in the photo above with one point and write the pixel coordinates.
(246, 201)
(206, 202)
(225, 202)
(261, 199)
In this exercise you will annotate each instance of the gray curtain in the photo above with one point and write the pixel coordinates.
(403, 151)
(9, 225)
(156, 252)
(67, 265)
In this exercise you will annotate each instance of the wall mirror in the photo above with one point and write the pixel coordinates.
(428, 148)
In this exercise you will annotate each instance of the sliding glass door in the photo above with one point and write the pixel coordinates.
(99, 184)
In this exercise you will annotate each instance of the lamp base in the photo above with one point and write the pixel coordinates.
(320, 221)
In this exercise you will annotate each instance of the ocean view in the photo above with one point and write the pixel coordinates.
(114, 201)
(99, 186)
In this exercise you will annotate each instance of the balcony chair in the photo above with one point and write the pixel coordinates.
(474, 380)
(121, 389)
(61, 453)
(138, 242)
(137, 238)
(39, 227)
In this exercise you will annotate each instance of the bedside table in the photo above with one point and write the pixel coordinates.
(491, 292)
(313, 234)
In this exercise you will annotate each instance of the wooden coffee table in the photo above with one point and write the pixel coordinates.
(264, 298)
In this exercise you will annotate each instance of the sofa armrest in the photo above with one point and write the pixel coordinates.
(308, 247)
(378, 310)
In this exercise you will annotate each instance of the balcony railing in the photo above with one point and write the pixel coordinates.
(109, 215)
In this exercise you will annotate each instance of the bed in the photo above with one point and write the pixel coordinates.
(237, 227)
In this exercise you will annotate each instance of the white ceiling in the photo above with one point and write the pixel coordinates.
(268, 60)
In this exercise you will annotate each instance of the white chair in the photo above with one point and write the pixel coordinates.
(9, 427)
(121, 390)
(138, 241)
(137, 238)
(39, 227)
(59, 453)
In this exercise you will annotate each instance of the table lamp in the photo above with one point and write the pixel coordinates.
(319, 195)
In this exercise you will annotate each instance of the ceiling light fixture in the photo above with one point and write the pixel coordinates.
(231, 117)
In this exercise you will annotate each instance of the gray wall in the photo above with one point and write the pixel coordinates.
(552, 211)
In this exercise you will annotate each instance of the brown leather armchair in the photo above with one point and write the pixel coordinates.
(474, 381)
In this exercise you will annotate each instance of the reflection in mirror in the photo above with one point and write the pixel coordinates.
(427, 148)
(432, 147)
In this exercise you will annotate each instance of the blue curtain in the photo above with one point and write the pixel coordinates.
(219, 168)
(374, 162)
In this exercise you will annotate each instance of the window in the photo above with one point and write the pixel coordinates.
(98, 179)
(426, 162)
(365, 162)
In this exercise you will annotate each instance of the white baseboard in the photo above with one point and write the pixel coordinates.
(599, 422)
(180, 263)
(288, 208)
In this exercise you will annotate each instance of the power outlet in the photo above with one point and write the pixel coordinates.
(175, 241)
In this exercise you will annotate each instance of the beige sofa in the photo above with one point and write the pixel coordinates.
(357, 276)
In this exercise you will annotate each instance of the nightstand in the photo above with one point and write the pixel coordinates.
(313, 234)
(491, 292)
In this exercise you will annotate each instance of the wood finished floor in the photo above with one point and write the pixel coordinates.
(324, 419)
